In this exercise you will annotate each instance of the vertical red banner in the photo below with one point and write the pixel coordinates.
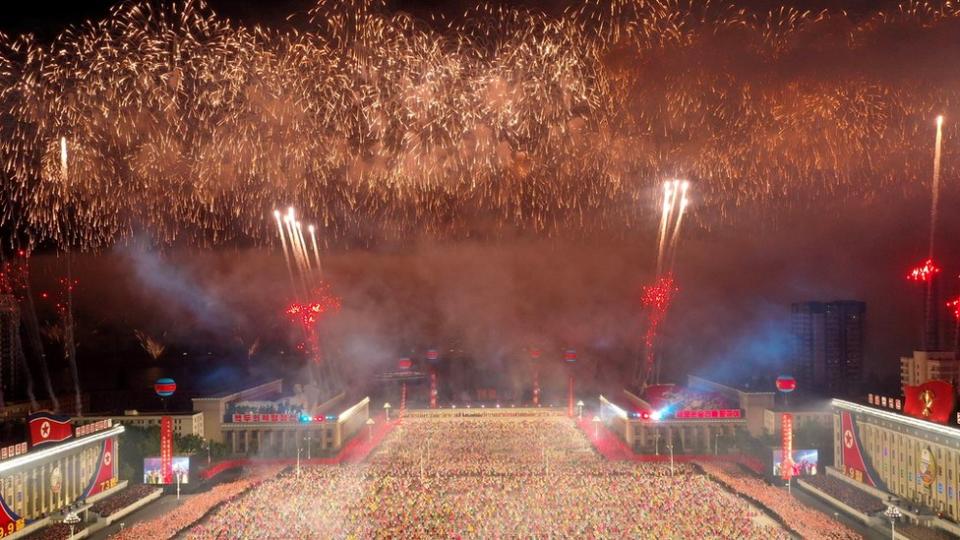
(786, 439)
(433, 389)
(166, 448)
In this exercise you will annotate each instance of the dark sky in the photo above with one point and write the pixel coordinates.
(47, 18)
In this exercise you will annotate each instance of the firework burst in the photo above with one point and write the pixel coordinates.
(312, 313)
(190, 126)
(925, 272)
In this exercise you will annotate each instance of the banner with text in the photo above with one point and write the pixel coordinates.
(786, 446)
(856, 464)
(104, 478)
(166, 448)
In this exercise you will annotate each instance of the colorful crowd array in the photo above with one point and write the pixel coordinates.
(808, 523)
(487, 477)
(194, 508)
(855, 498)
(126, 497)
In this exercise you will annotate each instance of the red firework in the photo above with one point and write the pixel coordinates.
(310, 313)
(955, 306)
(656, 298)
(924, 272)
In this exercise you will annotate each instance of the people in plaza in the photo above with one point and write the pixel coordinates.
(510, 477)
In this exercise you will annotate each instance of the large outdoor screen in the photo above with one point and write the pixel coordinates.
(153, 471)
(804, 462)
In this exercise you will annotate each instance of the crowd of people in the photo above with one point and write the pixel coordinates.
(805, 521)
(126, 497)
(487, 477)
(195, 507)
(57, 531)
(857, 499)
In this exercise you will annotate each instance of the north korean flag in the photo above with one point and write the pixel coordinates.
(48, 428)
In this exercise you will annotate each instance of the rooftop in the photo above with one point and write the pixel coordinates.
(948, 430)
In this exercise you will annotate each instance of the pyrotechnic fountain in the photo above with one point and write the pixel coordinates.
(656, 297)
(313, 300)
(928, 273)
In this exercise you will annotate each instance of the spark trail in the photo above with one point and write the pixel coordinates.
(188, 127)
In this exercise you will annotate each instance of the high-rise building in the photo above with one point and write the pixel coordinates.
(828, 346)
(933, 308)
(10, 369)
(926, 366)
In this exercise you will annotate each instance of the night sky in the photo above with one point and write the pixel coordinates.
(495, 296)
(46, 19)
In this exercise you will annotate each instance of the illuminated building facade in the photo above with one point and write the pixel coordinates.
(281, 435)
(913, 459)
(47, 478)
(184, 423)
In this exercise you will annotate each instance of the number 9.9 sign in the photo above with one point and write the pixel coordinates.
(11, 527)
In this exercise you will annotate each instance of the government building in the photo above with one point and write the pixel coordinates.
(44, 477)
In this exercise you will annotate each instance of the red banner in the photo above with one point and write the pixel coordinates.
(166, 448)
(433, 389)
(10, 522)
(104, 478)
(48, 428)
(853, 463)
(786, 446)
(687, 414)
(932, 400)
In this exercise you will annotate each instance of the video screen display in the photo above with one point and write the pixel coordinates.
(804, 462)
(153, 471)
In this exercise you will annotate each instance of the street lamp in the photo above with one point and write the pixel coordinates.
(893, 514)
(370, 424)
(298, 461)
(309, 443)
(207, 445)
(670, 447)
(716, 450)
(656, 449)
(72, 519)
(596, 426)
(386, 409)
(580, 410)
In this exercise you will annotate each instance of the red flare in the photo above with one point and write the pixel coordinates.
(656, 298)
(955, 306)
(924, 272)
(310, 313)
